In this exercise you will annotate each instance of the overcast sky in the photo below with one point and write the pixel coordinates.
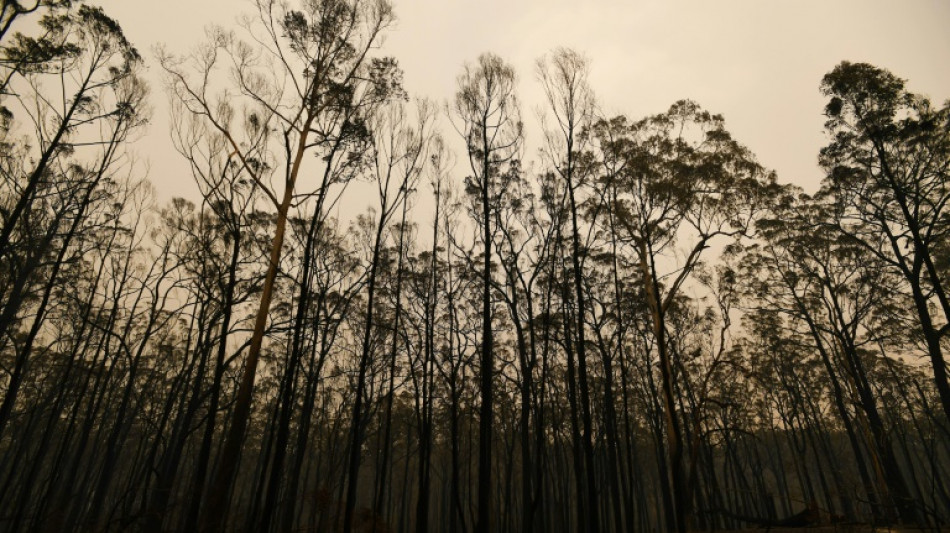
(757, 62)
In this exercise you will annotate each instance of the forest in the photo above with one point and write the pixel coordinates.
(632, 326)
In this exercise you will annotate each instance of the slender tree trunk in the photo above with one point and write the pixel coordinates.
(673, 438)
(204, 453)
(220, 491)
(483, 523)
(356, 434)
(592, 525)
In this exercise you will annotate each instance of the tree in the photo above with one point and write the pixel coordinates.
(887, 166)
(834, 288)
(683, 180)
(399, 156)
(491, 127)
(307, 83)
(51, 175)
(571, 101)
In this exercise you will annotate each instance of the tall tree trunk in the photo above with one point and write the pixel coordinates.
(674, 443)
(220, 491)
(483, 523)
(592, 525)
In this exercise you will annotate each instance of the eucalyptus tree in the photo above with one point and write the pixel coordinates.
(127, 315)
(523, 247)
(490, 124)
(60, 330)
(685, 183)
(711, 377)
(887, 164)
(343, 161)
(10, 10)
(298, 78)
(786, 288)
(49, 45)
(220, 261)
(563, 76)
(61, 342)
(76, 86)
(153, 316)
(787, 377)
(456, 358)
(399, 155)
(429, 284)
(81, 103)
(837, 290)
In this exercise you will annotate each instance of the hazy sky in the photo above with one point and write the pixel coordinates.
(757, 62)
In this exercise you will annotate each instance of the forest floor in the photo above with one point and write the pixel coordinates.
(857, 528)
